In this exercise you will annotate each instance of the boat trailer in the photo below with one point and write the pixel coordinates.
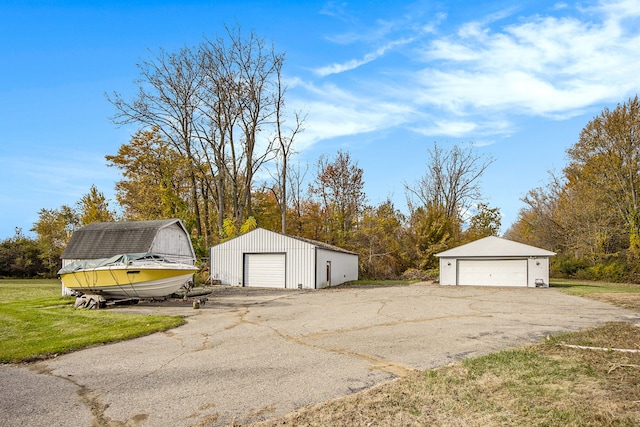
(198, 296)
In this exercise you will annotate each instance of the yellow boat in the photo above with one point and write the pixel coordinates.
(127, 276)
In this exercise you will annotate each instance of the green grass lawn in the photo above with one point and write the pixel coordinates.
(583, 287)
(36, 322)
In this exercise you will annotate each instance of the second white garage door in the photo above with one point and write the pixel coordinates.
(264, 270)
(511, 272)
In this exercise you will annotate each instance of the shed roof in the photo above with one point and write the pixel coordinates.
(495, 247)
(106, 239)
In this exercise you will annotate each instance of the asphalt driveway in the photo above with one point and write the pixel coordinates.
(252, 354)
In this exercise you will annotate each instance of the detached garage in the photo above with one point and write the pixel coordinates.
(263, 258)
(493, 261)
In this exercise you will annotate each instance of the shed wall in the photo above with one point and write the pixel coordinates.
(173, 243)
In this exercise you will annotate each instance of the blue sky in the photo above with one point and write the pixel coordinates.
(383, 80)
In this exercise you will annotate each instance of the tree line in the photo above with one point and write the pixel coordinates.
(330, 207)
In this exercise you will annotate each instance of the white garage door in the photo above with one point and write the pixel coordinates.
(511, 272)
(264, 270)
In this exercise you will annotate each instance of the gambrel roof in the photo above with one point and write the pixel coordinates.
(106, 239)
(495, 247)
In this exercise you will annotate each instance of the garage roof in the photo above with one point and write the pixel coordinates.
(495, 247)
(321, 245)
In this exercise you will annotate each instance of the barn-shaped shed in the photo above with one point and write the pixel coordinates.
(493, 261)
(168, 238)
(264, 258)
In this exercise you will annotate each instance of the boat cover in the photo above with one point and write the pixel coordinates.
(122, 259)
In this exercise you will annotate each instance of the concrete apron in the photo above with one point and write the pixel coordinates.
(248, 355)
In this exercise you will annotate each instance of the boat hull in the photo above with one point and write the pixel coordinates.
(128, 282)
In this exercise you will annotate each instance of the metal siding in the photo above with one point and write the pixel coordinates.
(497, 272)
(344, 267)
(227, 258)
(226, 263)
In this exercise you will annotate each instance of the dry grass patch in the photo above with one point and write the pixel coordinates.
(544, 384)
(628, 301)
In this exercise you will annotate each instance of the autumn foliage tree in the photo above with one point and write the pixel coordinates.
(339, 188)
(486, 221)
(156, 182)
(378, 239)
(590, 214)
(606, 161)
(53, 229)
(440, 200)
(429, 231)
(94, 207)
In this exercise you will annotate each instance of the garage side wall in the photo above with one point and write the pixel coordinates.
(538, 269)
(340, 266)
(448, 271)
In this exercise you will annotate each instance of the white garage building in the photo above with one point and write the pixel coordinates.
(263, 258)
(493, 261)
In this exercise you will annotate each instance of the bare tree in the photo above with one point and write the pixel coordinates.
(168, 100)
(296, 178)
(241, 80)
(284, 140)
(217, 106)
(452, 180)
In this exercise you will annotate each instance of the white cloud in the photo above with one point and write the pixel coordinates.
(336, 112)
(475, 80)
(450, 128)
(464, 129)
(355, 63)
(545, 66)
(335, 9)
